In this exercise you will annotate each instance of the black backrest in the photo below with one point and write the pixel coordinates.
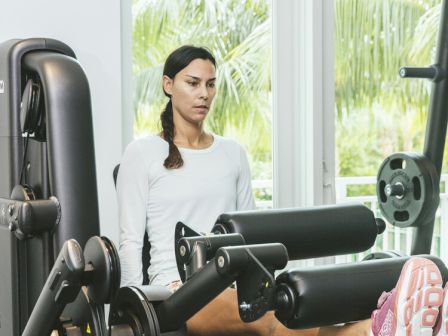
(146, 257)
(115, 173)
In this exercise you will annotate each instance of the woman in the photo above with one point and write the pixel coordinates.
(182, 174)
(187, 174)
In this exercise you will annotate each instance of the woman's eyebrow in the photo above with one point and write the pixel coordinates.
(198, 78)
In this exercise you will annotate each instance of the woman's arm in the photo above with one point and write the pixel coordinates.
(132, 196)
(245, 197)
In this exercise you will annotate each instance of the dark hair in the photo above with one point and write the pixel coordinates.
(176, 61)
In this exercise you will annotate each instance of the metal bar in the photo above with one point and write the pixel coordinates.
(435, 129)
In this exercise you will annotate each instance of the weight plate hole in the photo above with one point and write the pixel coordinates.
(417, 188)
(401, 216)
(398, 164)
(383, 196)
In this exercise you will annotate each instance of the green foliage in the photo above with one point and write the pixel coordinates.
(238, 33)
(373, 40)
(377, 112)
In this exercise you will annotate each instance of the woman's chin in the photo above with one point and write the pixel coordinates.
(199, 117)
(195, 118)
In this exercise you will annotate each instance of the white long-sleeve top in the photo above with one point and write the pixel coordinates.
(211, 181)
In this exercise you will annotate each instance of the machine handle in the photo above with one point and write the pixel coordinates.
(247, 265)
(62, 287)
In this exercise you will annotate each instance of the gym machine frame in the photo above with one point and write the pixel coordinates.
(409, 195)
(41, 197)
(46, 141)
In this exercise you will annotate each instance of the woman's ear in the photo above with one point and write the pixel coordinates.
(167, 85)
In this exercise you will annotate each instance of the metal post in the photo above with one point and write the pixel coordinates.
(435, 128)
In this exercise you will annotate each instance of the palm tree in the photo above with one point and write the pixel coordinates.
(377, 113)
(238, 33)
(374, 38)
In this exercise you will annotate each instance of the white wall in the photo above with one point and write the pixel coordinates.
(93, 29)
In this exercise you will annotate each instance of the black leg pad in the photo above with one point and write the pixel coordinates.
(333, 294)
(306, 232)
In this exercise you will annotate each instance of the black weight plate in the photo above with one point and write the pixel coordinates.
(407, 208)
(399, 169)
(130, 307)
(116, 268)
(383, 255)
(101, 254)
(152, 313)
(420, 180)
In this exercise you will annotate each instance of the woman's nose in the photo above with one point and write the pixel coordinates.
(204, 92)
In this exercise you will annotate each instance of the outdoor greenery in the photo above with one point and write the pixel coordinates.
(377, 112)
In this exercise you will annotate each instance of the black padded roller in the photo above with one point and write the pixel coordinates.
(306, 233)
(328, 295)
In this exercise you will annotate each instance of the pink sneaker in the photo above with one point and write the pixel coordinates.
(441, 328)
(411, 309)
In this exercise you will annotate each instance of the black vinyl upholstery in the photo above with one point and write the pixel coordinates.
(341, 293)
(306, 232)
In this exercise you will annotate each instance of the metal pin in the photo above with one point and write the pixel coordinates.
(245, 306)
(182, 250)
(221, 261)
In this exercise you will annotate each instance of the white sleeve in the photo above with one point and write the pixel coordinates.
(132, 196)
(245, 198)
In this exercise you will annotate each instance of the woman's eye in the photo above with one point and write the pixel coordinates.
(211, 85)
(193, 83)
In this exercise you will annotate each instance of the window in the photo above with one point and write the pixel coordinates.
(377, 113)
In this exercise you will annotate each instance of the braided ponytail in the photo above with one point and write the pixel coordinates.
(174, 159)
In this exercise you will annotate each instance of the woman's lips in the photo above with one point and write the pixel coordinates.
(201, 108)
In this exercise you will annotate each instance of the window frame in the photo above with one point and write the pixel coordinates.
(303, 103)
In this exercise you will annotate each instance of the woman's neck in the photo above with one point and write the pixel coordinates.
(193, 136)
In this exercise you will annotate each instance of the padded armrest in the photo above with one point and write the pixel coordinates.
(343, 293)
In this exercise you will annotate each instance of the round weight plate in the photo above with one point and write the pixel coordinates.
(152, 312)
(130, 307)
(383, 255)
(116, 268)
(102, 255)
(407, 189)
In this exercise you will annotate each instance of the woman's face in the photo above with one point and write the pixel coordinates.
(192, 90)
